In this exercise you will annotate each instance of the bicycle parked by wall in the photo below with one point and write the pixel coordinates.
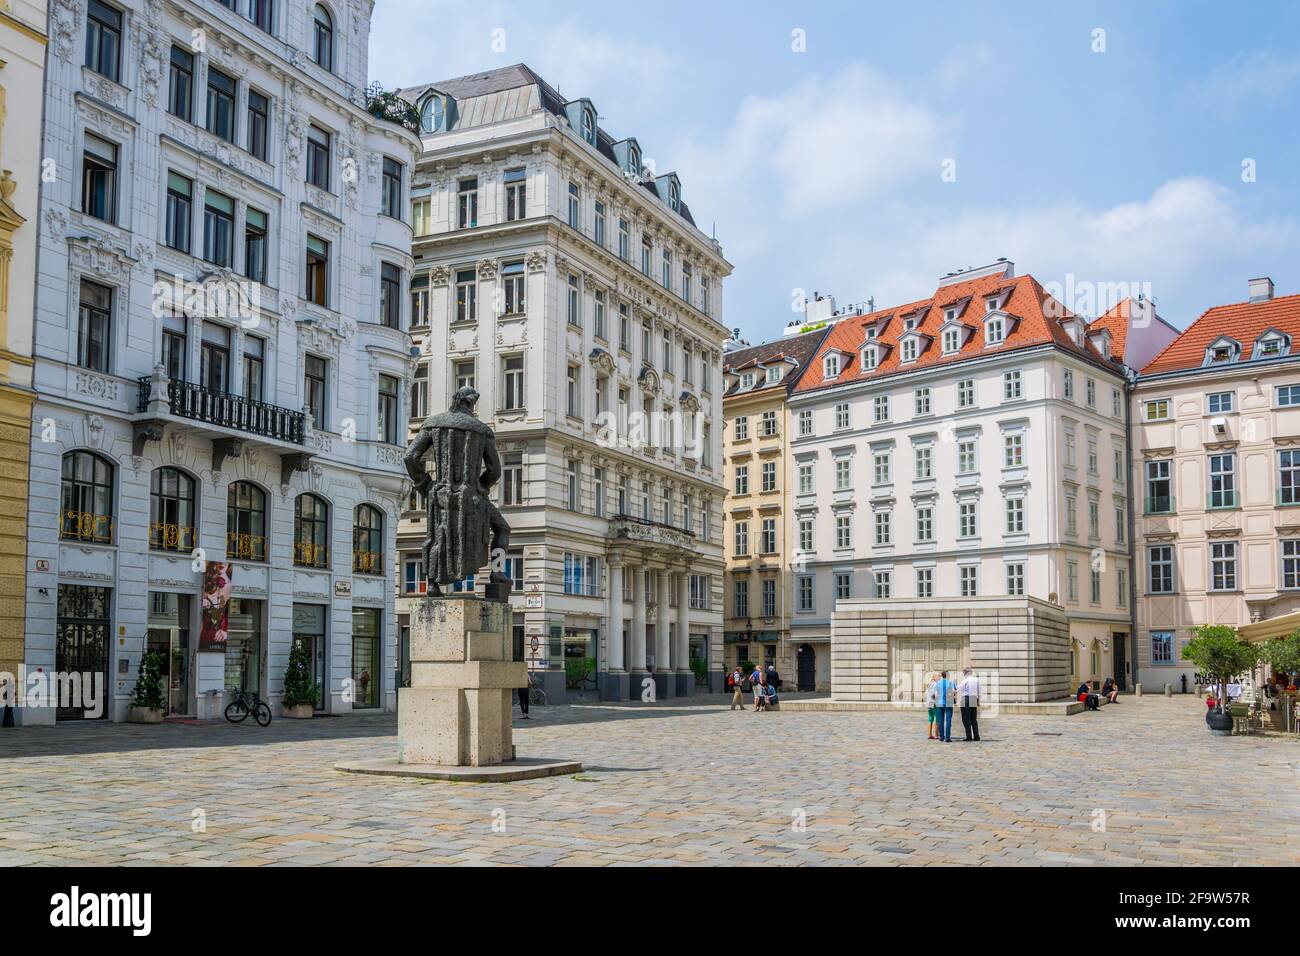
(246, 703)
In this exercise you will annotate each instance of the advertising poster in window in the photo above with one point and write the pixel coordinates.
(215, 624)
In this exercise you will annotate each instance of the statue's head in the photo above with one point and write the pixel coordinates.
(464, 400)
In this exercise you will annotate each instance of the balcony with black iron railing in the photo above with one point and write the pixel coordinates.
(224, 410)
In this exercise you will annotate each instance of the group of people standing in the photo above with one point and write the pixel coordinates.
(764, 685)
(943, 695)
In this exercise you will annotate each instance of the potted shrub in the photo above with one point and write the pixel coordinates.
(147, 704)
(1220, 654)
(300, 691)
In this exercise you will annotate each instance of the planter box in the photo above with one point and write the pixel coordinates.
(299, 711)
(144, 715)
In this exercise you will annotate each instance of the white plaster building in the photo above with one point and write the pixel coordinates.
(969, 444)
(229, 147)
(569, 284)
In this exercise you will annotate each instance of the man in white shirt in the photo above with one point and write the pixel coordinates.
(968, 698)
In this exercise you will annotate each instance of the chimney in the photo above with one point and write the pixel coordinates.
(1261, 289)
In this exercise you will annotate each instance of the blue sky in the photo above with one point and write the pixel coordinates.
(1119, 170)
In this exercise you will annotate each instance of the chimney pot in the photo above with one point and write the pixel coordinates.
(1261, 289)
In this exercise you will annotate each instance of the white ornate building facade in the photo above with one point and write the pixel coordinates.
(222, 353)
(557, 274)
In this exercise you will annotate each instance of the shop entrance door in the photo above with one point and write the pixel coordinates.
(1119, 642)
(309, 632)
(807, 667)
(81, 649)
(169, 638)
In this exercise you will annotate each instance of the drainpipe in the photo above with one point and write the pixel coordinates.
(1130, 389)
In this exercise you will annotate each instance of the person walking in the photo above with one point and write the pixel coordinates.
(737, 680)
(932, 706)
(945, 692)
(756, 685)
(523, 693)
(968, 695)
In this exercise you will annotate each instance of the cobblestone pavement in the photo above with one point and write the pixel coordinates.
(1142, 782)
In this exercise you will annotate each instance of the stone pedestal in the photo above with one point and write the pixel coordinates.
(457, 710)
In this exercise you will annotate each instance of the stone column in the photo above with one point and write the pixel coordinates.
(615, 686)
(636, 671)
(663, 647)
(685, 677)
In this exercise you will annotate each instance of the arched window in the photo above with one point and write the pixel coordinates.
(323, 38)
(311, 523)
(368, 540)
(432, 113)
(245, 522)
(86, 513)
(589, 126)
(171, 511)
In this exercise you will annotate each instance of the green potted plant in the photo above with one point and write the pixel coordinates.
(1282, 653)
(147, 703)
(1220, 654)
(300, 691)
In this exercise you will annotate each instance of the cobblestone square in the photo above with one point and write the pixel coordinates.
(1139, 783)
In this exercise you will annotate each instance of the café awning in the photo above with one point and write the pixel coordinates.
(1262, 631)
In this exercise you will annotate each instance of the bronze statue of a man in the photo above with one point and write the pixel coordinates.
(465, 529)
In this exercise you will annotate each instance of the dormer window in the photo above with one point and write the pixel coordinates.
(951, 341)
(634, 161)
(907, 349)
(994, 331)
(831, 365)
(674, 196)
(774, 375)
(1272, 344)
(433, 113)
(747, 380)
(872, 332)
(1222, 350)
(589, 125)
(991, 304)
(950, 315)
(909, 324)
(870, 358)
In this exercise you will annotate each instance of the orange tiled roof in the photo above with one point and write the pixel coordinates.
(1036, 315)
(1242, 321)
(1116, 322)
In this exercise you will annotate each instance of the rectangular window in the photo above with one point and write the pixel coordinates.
(1218, 403)
(516, 182)
(598, 315)
(842, 415)
(884, 582)
(1094, 586)
(1013, 451)
(99, 179)
(175, 344)
(1015, 579)
(924, 462)
(968, 578)
(94, 326)
(882, 468)
(1291, 563)
(769, 476)
(1288, 396)
(318, 262)
(667, 279)
(259, 118)
(1090, 393)
(315, 377)
(1121, 587)
(769, 597)
(573, 392)
(180, 200)
(924, 523)
(388, 404)
(741, 538)
(966, 393)
(1157, 410)
(1160, 569)
(645, 257)
(740, 607)
(390, 295)
(624, 249)
(967, 457)
(843, 586)
(880, 408)
(925, 582)
(966, 520)
(218, 228)
(883, 523)
(805, 593)
(805, 478)
(574, 312)
(1288, 490)
(1223, 565)
(512, 479)
(922, 400)
(262, 12)
(104, 40)
(1223, 480)
(1068, 378)
(843, 474)
(255, 244)
(575, 206)
(254, 368)
(1011, 386)
(1015, 515)
(806, 535)
(467, 204)
(1159, 487)
(805, 423)
(843, 531)
(1162, 647)
(180, 87)
(767, 542)
(318, 157)
(221, 105)
(598, 224)
(390, 199)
